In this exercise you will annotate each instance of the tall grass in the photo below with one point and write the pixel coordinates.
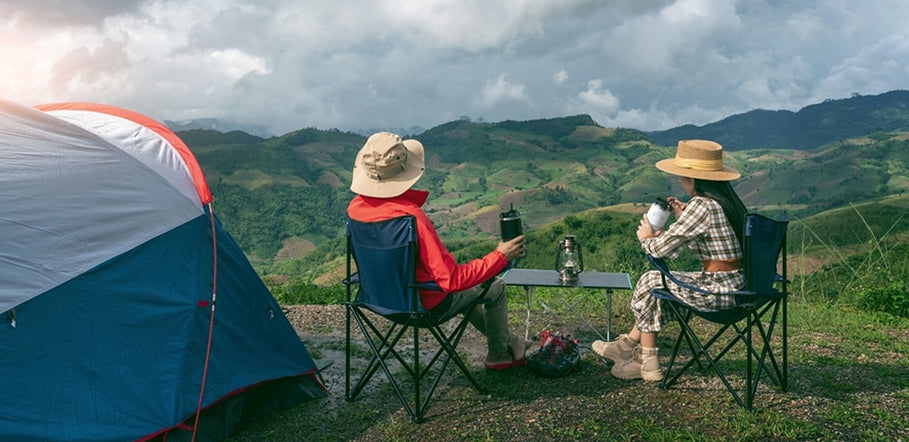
(297, 291)
(856, 256)
(870, 274)
(847, 350)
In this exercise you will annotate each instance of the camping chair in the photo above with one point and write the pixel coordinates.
(758, 307)
(385, 254)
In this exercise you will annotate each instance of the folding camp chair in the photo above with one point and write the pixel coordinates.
(758, 307)
(385, 255)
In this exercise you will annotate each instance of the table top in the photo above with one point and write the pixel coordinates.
(550, 278)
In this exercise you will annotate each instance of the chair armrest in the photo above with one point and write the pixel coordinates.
(742, 297)
(429, 285)
(432, 285)
(354, 279)
(661, 265)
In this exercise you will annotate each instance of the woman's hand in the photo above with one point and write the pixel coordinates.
(645, 230)
(677, 206)
(513, 248)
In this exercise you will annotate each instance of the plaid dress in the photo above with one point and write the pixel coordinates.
(704, 229)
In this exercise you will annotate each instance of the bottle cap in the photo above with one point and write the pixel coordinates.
(510, 214)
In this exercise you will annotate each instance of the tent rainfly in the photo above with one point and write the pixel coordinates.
(127, 312)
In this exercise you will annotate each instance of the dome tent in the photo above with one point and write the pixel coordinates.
(128, 312)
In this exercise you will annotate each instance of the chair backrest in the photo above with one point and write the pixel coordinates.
(385, 253)
(764, 239)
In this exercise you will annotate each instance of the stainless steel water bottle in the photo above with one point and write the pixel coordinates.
(658, 213)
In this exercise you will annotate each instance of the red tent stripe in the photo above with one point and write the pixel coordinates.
(188, 158)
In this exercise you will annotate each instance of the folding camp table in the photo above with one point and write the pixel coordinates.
(592, 281)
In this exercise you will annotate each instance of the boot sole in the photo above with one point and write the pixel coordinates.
(652, 377)
(615, 359)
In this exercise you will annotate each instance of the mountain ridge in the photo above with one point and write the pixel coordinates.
(284, 196)
(808, 128)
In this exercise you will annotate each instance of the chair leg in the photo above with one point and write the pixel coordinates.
(417, 375)
(667, 381)
(347, 354)
(380, 353)
(448, 346)
(766, 361)
(382, 346)
(686, 333)
(701, 349)
(749, 392)
(784, 379)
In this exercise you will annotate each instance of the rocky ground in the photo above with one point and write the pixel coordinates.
(591, 404)
(322, 328)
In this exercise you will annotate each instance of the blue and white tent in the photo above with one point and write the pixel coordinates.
(127, 312)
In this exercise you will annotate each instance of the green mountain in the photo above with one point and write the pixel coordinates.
(809, 128)
(285, 196)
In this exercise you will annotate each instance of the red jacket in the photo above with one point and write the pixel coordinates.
(435, 261)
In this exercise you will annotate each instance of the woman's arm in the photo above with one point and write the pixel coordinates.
(694, 220)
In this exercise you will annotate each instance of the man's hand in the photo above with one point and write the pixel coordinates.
(513, 248)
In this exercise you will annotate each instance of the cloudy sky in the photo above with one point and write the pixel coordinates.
(362, 64)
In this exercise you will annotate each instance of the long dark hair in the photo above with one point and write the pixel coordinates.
(733, 207)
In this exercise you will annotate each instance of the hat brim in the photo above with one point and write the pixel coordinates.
(362, 184)
(725, 174)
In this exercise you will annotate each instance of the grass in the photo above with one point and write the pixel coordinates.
(849, 380)
(848, 374)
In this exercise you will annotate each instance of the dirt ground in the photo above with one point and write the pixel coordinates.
(322, 329)
(589, 404)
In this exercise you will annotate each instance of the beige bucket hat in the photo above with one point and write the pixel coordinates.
(387, 166)
(701, 159)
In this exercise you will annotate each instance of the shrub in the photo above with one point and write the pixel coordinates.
(892, 298)
(869, 271)
(297, 291)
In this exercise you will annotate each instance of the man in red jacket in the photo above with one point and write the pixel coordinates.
(385, 170)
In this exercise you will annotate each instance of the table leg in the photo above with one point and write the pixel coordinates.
(528, 290)
(608, 315)
(579, 315)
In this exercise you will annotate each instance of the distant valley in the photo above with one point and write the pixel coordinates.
(283, 197)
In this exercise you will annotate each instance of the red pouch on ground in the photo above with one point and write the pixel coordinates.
(558, 355)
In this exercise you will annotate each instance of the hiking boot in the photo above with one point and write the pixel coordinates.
(620, 351)
(645, 365)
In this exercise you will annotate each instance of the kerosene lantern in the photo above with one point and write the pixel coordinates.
(568, 260)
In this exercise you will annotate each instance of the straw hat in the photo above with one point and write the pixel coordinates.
(387, 166)
(701, 159)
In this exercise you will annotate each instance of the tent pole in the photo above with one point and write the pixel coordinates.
(211, 324)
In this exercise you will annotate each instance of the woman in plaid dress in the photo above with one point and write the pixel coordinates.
(710, 225)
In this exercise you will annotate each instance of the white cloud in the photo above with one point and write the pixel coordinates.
(499, 91)
(236, 64)
(653, 44)
(287, 64)
(597, 98)
(874, 69)
(560, 76)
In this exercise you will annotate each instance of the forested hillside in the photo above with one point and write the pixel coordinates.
(809, 128)
(285, 196)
